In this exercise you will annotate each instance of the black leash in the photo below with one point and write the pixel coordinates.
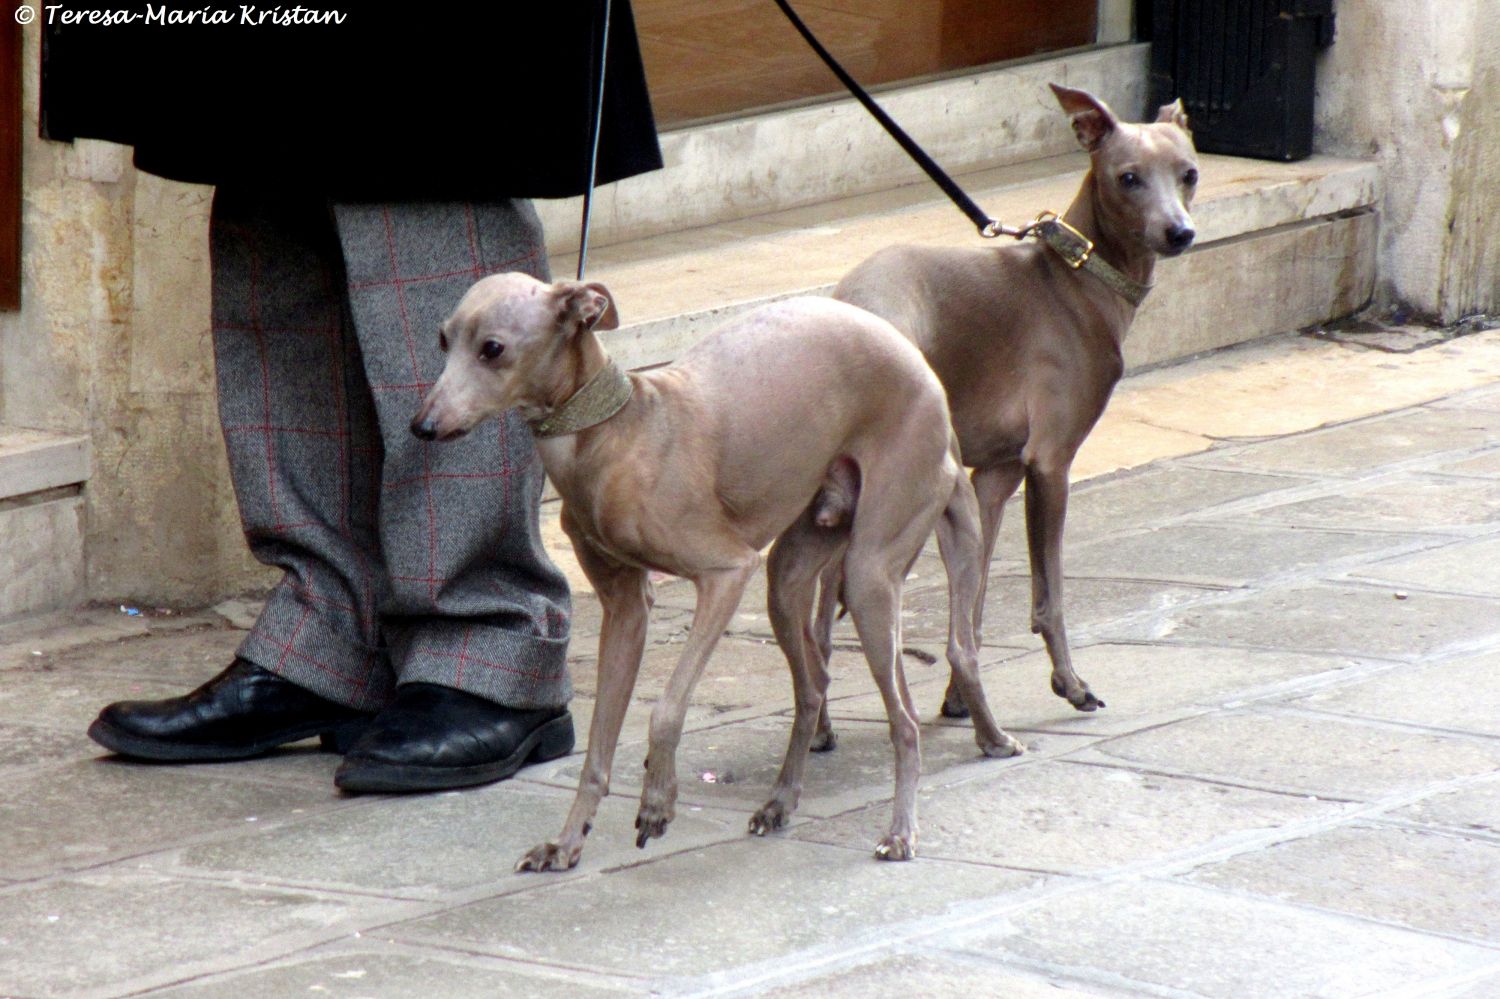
(598, 126)
(988, 228)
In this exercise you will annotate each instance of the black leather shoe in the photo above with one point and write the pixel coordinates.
(432, 737)
(242, 712)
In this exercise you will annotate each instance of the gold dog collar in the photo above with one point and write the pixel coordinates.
(1077, 251)
(601, 397)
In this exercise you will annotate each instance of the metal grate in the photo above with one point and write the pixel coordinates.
(1243, 69)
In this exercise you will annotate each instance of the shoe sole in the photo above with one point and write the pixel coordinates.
(117, 740)
(550, 741)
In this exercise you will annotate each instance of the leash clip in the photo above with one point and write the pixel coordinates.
(994, 228)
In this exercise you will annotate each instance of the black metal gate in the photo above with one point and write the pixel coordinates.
(1243, 69)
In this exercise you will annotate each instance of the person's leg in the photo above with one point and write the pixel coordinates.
(475, 605)
(304, 457)
(304, 452)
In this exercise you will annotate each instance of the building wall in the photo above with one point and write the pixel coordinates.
(1414, 84)
(113, 340)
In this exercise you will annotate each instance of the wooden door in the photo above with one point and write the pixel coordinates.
(709, 58)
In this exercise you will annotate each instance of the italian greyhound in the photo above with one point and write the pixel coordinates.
(807, 422)
(1028, 346)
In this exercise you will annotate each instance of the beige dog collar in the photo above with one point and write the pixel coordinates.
(601, 397)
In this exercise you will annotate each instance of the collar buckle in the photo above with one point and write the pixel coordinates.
(1073, 246)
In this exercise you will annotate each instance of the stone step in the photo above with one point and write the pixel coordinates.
(1298, 239)
(42, 475)
(831, 149)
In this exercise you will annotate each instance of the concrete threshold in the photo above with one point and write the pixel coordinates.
(672, 289)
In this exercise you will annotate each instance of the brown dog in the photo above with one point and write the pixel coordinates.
(1027, 345)
(808, 422)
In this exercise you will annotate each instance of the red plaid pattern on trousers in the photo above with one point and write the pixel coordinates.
(404, 560)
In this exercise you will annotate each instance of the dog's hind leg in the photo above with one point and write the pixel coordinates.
(993, 487)
(959, 541)
(795, 562)
(1046, 507)
(888, 534)
(830, 586)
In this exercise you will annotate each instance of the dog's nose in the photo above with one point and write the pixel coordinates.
(424, 428)
(1180, 237)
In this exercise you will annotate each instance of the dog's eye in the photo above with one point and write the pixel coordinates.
(442, 341)
(1190, 179)
(491, 349)
(1129, 180)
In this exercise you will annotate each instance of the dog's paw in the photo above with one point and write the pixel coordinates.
(1082, 698)
(548, 857)
(772, 816)
(823, 741)
(1006, 746)
(651, 823)
(895, 847)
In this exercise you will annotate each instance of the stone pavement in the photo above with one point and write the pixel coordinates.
(1294, 790)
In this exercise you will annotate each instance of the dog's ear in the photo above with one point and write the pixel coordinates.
(585, 306)
(1093, 121)
(1173, 114)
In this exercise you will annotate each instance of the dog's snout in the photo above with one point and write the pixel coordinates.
(1180, 237)
(424, 427)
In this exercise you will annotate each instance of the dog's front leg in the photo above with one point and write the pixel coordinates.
(1046, 509)
(719, 593)
(625, 594)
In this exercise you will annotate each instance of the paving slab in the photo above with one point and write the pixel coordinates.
(1480, 398)
(1474, 808)
(113, 930)
(1485, 987)
(715, 910)
(423, 846)
(734, 766)
(1140, 685)
(1425, 880)
(1471, 567)
(24, 641)
(1164, 491)
(33, 745)
(1484, 466)
(1399, 503)
(358, 974)
(80, 814)
(1076, 818)
(1347, 620)
(1353, 448)
(1461, 696)
(1292, 383)
(747, 672)
(66, 699)
(927, 973)
(1324, 756)
(182, 657)
(1088, 603)
(1229, 554)
(1157, 936)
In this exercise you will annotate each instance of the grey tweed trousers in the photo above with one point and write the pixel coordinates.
(404, 560)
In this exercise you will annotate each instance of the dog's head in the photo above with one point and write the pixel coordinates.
(1145, 175)
(507, 344)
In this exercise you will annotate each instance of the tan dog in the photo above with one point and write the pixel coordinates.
(1027, 345)
(808, 422)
